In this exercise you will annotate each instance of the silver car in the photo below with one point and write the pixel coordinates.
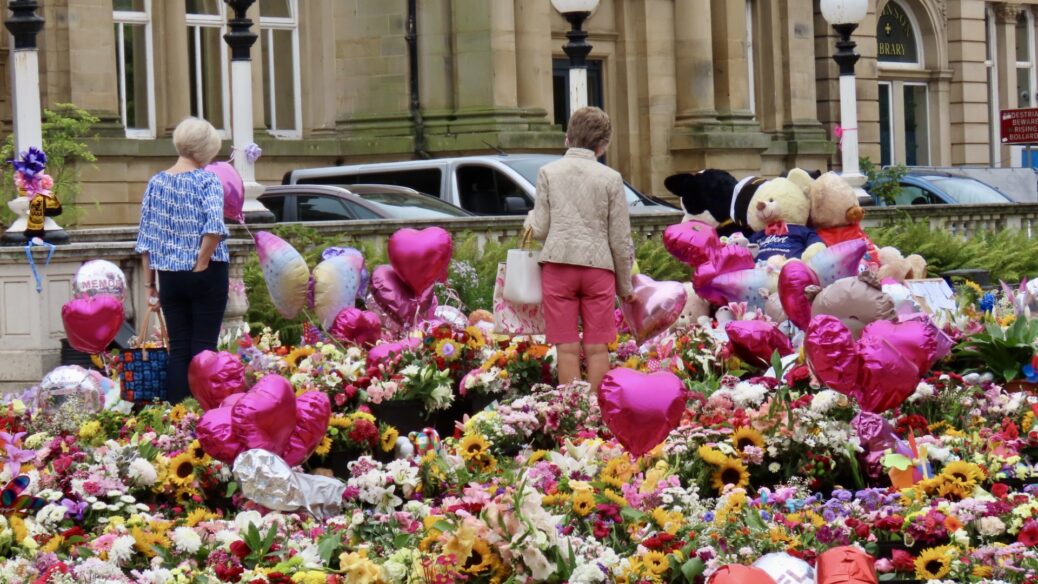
(355, 202)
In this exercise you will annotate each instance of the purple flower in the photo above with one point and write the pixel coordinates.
(74, 509)
(30, 163)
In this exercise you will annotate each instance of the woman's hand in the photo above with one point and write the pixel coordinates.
(200, 266)
(153, 297)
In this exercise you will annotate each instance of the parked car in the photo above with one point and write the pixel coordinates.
(355, 202)
(483, 185)
(937, 188)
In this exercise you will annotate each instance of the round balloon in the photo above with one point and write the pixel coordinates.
(785, 568)
(71, 382)
(99, 277)
(285, 272)
(739, 574)
(354, 325)
(336, 281)
(452, 316)
(233, 190)
(356, 258)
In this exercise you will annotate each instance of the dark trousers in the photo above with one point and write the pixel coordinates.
(193, 304)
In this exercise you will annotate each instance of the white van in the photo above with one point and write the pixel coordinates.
(483, 185)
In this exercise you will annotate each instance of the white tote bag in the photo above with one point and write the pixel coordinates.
(523, 273)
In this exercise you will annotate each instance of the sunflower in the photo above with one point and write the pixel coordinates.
(933, 563)
(583, 503)
(324, 447)
(952, 489)
(177, 412)
(389, 438)
(473, 446)
(187, 496)
(198, 454)
(615, 498)
(448, 350)
(476, 339)
(965, 473)
(732, 472)
(617, 471)
(484, 463)
(981, 571)
(480, 559)
(668, 521)
(198, 515)
(297, 355)
(536, 456)
(747, 436)
(182, 469)
(656, 562)
(147, 541)
(711, 455)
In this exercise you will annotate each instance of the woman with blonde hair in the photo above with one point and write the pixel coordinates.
(181, 241)
(581, 215)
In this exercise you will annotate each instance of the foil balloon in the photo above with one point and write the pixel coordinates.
(268, 480)
(356, 258)
(845, 565)
(99, 278)
(452, 316)
(313, 411)
(755, 341)
(856, 301)
(744, 286)
(421, 257)
(793, 281)
(654, 306)
(384, 351)
(91, 323)
(786, 569)
(336, 282)
(838, 261)
(71, 383)
(216, 434)
(212, 376)
(265, 416)
(353, 325)
(725, 259)
(285, 272)
(691, 242)
(395, 297)
(233, 190)
(832, 353)
(641, 409)
(739, 574)
(917, 340)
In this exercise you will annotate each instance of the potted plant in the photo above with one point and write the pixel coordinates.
(407, 398)
(1005, 351)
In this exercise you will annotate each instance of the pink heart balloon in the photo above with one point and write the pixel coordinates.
(654, 306)
(887, 377)
(233, 190)
(743, 286)
(395, 298)
(216, 434)
(724, 259)
(641, 409)
(91, 323)
(313, 410)
(380, 353)
(944, 342)
(213, 376)
(353, 325)
(421, 258)
(916, 340)
(833, 353)
(793, 281)
(838, 261)
(755, 341)
(232, 399)
(265, 416)
(691, 242)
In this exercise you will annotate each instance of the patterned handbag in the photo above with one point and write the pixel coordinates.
(511, 318)
(143, 368)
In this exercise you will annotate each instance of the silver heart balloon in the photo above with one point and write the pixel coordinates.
(654, 306)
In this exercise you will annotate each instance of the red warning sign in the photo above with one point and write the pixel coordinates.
(1020, 126)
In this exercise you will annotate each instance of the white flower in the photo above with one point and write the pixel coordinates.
(99, 506)
(588, 573)
(539, 566)
(922, 391)
(51, 515)
(774, 467)
(824, 401)
(121, 550)
(156, 576)
(244, 518)
(186, 540)
(990, 526)
(746, 394)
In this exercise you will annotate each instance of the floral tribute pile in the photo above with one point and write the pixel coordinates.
(509, 478)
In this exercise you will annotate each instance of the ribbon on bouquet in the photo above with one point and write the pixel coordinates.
(32, 261)
(839, 131)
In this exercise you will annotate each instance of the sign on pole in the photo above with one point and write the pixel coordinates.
(1020, 126)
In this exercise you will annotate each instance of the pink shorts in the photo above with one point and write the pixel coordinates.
(571, 291)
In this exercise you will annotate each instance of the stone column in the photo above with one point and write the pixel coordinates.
(316, 42)
(694, 49)
(533, 45)
(807, 143)
(1005, 35)
(968, 96)
(731, 70)
(93, 83)
(173, 87)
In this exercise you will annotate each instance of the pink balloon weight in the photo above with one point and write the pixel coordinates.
(313, 410)
(691, 242)
(353, 325)
(793, 281)
(212, 376)
(265, 416)
(395, 297)
(833, 354)
(421, 257)
(838, 261)
(655, 306)
(233, 190)
(91, 323)
(755, 341)
(216, 434)
(641, 409)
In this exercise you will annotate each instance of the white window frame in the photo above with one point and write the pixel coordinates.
(926, 100)
(919, 48)
(267, 25)
(122, 18)
(891, 131)
(1017, 152)
(995, 147)
(196, 22)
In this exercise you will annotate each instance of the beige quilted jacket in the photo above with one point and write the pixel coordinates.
(581, 215)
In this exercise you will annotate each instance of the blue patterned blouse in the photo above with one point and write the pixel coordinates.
(178, 209)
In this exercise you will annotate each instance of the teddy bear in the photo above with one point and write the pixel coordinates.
(836, 215)
(707, 196)
(695, 307)
(856, 301)
(778, 213)
(894, 266)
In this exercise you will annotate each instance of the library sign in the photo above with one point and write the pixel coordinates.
(1019, 126)
(895, 36)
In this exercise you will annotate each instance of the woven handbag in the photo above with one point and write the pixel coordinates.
(143, 371)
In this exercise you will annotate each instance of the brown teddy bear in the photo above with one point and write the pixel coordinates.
(894, 266)
(778, 213)
(836, 214)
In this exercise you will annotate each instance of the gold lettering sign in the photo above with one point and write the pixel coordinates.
(896, 35)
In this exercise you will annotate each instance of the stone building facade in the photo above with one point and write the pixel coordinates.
(745, 85)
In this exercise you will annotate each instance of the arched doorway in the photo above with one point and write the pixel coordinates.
(912, 88)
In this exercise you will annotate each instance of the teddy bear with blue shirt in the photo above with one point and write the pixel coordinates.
(778, 214)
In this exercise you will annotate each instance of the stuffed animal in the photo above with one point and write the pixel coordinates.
(897, 267)
(836, 214)
(695, 307)
(707, 196)
(778, 213)
(856, 301)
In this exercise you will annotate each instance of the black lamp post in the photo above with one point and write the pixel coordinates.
(844, 16)
(577, 48)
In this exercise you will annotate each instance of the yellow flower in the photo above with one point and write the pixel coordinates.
(974, 287)
(614, 497)
(89, 430)
(964, 473)
(476, 338)
(484, 463)
(198, 453)
(747, 436)
(480, 559)
(177, 412)
(182, 469)
(359, 569)
(461, 544)
(732, 472)
(324, 447)
(711, 455)
(340, 422)
(982, 571)
(617, 471)
(656, 562)
(197, 516)
(934, 563)
(53, 544)
(583, 503)
(669, 521)
(952, 490)
(556, 499)
(146, 541)
(1028, 422)
(448, 350)
(473, 446)
(1007, 320)
(310, 577)
(389, 439)
(297, 355)
(536, 456)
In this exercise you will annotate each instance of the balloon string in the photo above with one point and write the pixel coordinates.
(32, 261)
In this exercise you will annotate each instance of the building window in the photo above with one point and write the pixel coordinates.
(279, 41)
(886, 124)
(897, 37)
(135, 66)
(208, 63)
(560, 87)
(1025, 70)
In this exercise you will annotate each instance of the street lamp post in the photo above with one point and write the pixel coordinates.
(844, 16)
(240, 39)
(577, 49)
(24, 24)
